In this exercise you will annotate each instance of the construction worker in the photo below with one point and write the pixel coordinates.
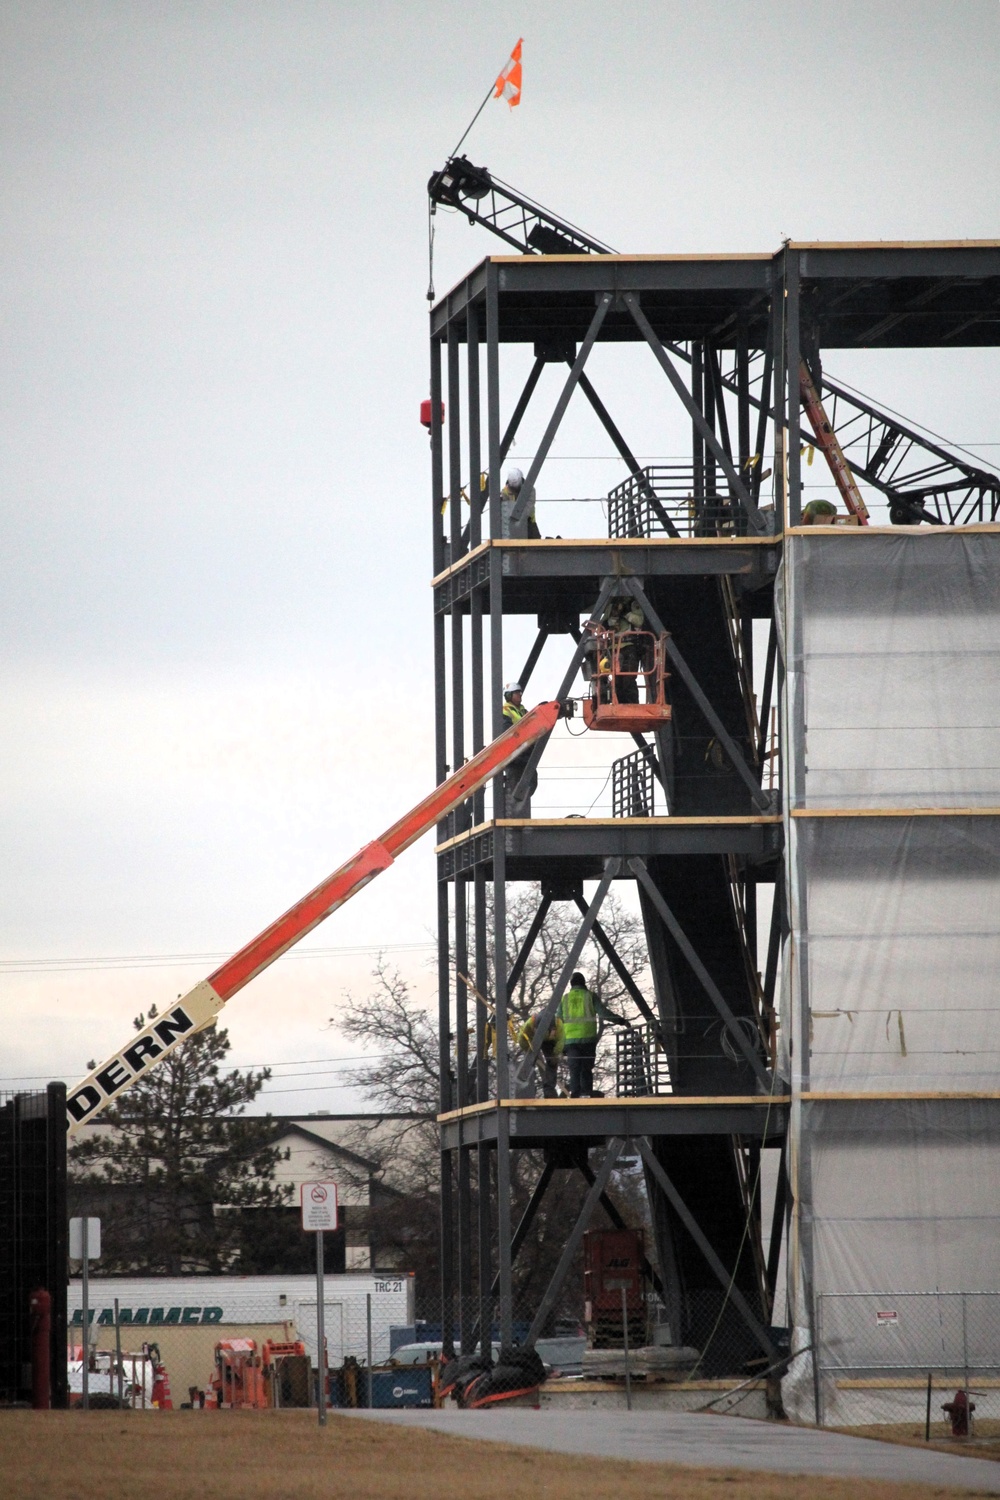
(551, 1049)
(579, 1010)
(513, 712)
(623, 618)
(819, 513)
(509, 496)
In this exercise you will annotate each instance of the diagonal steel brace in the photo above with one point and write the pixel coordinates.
(759, 796)
(639, 870)
(611, 868)
(726, 1279)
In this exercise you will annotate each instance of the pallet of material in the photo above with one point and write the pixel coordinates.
(649, 1362)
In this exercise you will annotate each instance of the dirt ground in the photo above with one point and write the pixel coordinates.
(286, 1456)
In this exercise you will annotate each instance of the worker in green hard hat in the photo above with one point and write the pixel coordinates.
(819, 513)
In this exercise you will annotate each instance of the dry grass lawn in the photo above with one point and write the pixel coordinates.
(285, 1456)
(984, 1442)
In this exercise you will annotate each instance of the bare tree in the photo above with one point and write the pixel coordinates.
(403, 1078)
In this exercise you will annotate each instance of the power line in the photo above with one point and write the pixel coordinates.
(183, 960)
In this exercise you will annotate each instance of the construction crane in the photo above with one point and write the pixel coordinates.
(198, 1009)
(525, 225)
(920, 480)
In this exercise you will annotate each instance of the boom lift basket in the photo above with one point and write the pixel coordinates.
(619, 659)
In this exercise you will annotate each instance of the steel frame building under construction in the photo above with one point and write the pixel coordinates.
(834, 1047)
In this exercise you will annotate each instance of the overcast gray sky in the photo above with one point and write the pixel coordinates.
(215, 555)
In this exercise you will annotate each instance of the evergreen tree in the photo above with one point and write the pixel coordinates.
(171, 1167)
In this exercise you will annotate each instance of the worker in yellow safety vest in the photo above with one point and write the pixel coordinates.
(551, 1050)
(579, 1010)
(513, 712)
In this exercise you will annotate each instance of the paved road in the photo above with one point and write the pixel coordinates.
(706, 1441)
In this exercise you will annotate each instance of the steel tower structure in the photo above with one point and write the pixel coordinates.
(729, 334)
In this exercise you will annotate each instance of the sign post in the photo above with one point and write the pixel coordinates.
(319, 1212)
(84, 1246)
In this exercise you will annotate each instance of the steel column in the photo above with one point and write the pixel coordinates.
(793, 358)
(475, 527)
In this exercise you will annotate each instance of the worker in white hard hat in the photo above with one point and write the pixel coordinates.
(513, 712)
(509, 496)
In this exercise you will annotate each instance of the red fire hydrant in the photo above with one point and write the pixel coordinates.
(959, 1412)
(41, 1334)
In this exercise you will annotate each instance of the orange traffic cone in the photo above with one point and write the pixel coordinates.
(161, 1389)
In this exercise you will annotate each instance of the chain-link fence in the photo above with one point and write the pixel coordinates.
(925, 1361)
(213, 1343)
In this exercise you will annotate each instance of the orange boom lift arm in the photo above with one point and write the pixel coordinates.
(199, 1009)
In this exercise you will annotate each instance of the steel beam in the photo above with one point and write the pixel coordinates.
(534, 1123)
(638, 868)
(777, 1231)
(765, 701)
(532, 661)
(476, 497)
(793, 359)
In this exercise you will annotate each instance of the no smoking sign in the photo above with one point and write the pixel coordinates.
(319, 1205)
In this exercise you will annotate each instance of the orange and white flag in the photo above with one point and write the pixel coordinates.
(508, 85)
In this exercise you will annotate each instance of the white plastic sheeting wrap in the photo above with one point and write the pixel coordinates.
(899, 638)
(891, 736)
(901, 961)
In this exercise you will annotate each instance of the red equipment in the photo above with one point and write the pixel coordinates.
(161, 1388)
(613, 1262)
(41, 1336)
(200, 1007)
(959, 1411)
(620, 659)
(427, 412)
(239, 1378)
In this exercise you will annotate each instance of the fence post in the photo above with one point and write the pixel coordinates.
(628, 1375)
(965, 1347)
(927, 1424)
(368, 1300)
(118, 1357)
(816, 1351)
